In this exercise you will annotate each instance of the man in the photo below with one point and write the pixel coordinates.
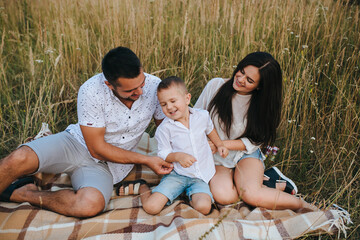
(114, 109)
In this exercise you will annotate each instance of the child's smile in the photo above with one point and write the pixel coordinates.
(174, 103)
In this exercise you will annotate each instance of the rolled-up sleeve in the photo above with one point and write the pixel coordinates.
(209, 125)
(162, 137)
(250, 148)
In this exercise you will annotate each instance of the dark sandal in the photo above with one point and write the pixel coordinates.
(275, 174)
(134, 190)
(271, 183)
(6, 194)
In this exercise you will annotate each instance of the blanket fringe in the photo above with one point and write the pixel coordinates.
(342, 221)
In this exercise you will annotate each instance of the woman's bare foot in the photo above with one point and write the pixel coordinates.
(307, 207)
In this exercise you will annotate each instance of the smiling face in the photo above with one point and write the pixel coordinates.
(246, 80)
(128, 89)
(174, 103)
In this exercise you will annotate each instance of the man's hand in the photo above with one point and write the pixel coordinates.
(159, 166)
(223, 151)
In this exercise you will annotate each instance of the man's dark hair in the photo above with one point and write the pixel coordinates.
(120, 62)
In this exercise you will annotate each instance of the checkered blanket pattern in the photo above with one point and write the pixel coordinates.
(124, 217)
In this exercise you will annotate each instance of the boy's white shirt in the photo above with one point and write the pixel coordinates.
(173, 136)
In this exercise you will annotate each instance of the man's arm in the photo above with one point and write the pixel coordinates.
(99, 149)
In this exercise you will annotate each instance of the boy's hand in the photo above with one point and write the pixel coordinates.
(186, 160)
(159, 166)
(223, 151)
(213, 147)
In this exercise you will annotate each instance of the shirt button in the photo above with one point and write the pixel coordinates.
(123, 137)
(129, 117)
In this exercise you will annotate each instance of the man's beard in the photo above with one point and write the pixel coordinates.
(126, 99)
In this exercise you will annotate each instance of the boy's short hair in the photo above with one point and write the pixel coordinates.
(170, 81)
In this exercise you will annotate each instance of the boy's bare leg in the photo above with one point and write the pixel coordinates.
(152, 203)
(201, 202)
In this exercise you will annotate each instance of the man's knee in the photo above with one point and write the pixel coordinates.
(20, 162)
(89, 202)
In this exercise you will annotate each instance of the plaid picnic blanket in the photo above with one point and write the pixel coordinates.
(124, 217)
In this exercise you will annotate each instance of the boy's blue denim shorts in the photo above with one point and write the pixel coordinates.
(173, 184)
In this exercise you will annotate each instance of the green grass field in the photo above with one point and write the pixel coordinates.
(49, 48)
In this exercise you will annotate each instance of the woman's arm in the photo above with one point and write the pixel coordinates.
(235, 145)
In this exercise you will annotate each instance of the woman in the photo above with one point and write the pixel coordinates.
(246, 111)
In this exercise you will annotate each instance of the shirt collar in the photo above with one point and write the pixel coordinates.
(191, 110)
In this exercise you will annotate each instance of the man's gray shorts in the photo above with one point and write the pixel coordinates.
(62, 153)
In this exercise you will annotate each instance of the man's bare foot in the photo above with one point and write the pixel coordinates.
(19, 195)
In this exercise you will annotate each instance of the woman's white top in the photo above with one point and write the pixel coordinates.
(240, 105)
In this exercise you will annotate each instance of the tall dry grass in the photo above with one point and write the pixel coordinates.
(49, 48)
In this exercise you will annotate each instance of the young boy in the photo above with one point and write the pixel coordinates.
(182, 140)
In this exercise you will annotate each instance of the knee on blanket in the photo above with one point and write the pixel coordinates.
(89, 202)
(203, 207)
(152, 208)
(225, 195)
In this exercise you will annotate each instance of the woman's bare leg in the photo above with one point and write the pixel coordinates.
(248, 178)
(222, 186)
